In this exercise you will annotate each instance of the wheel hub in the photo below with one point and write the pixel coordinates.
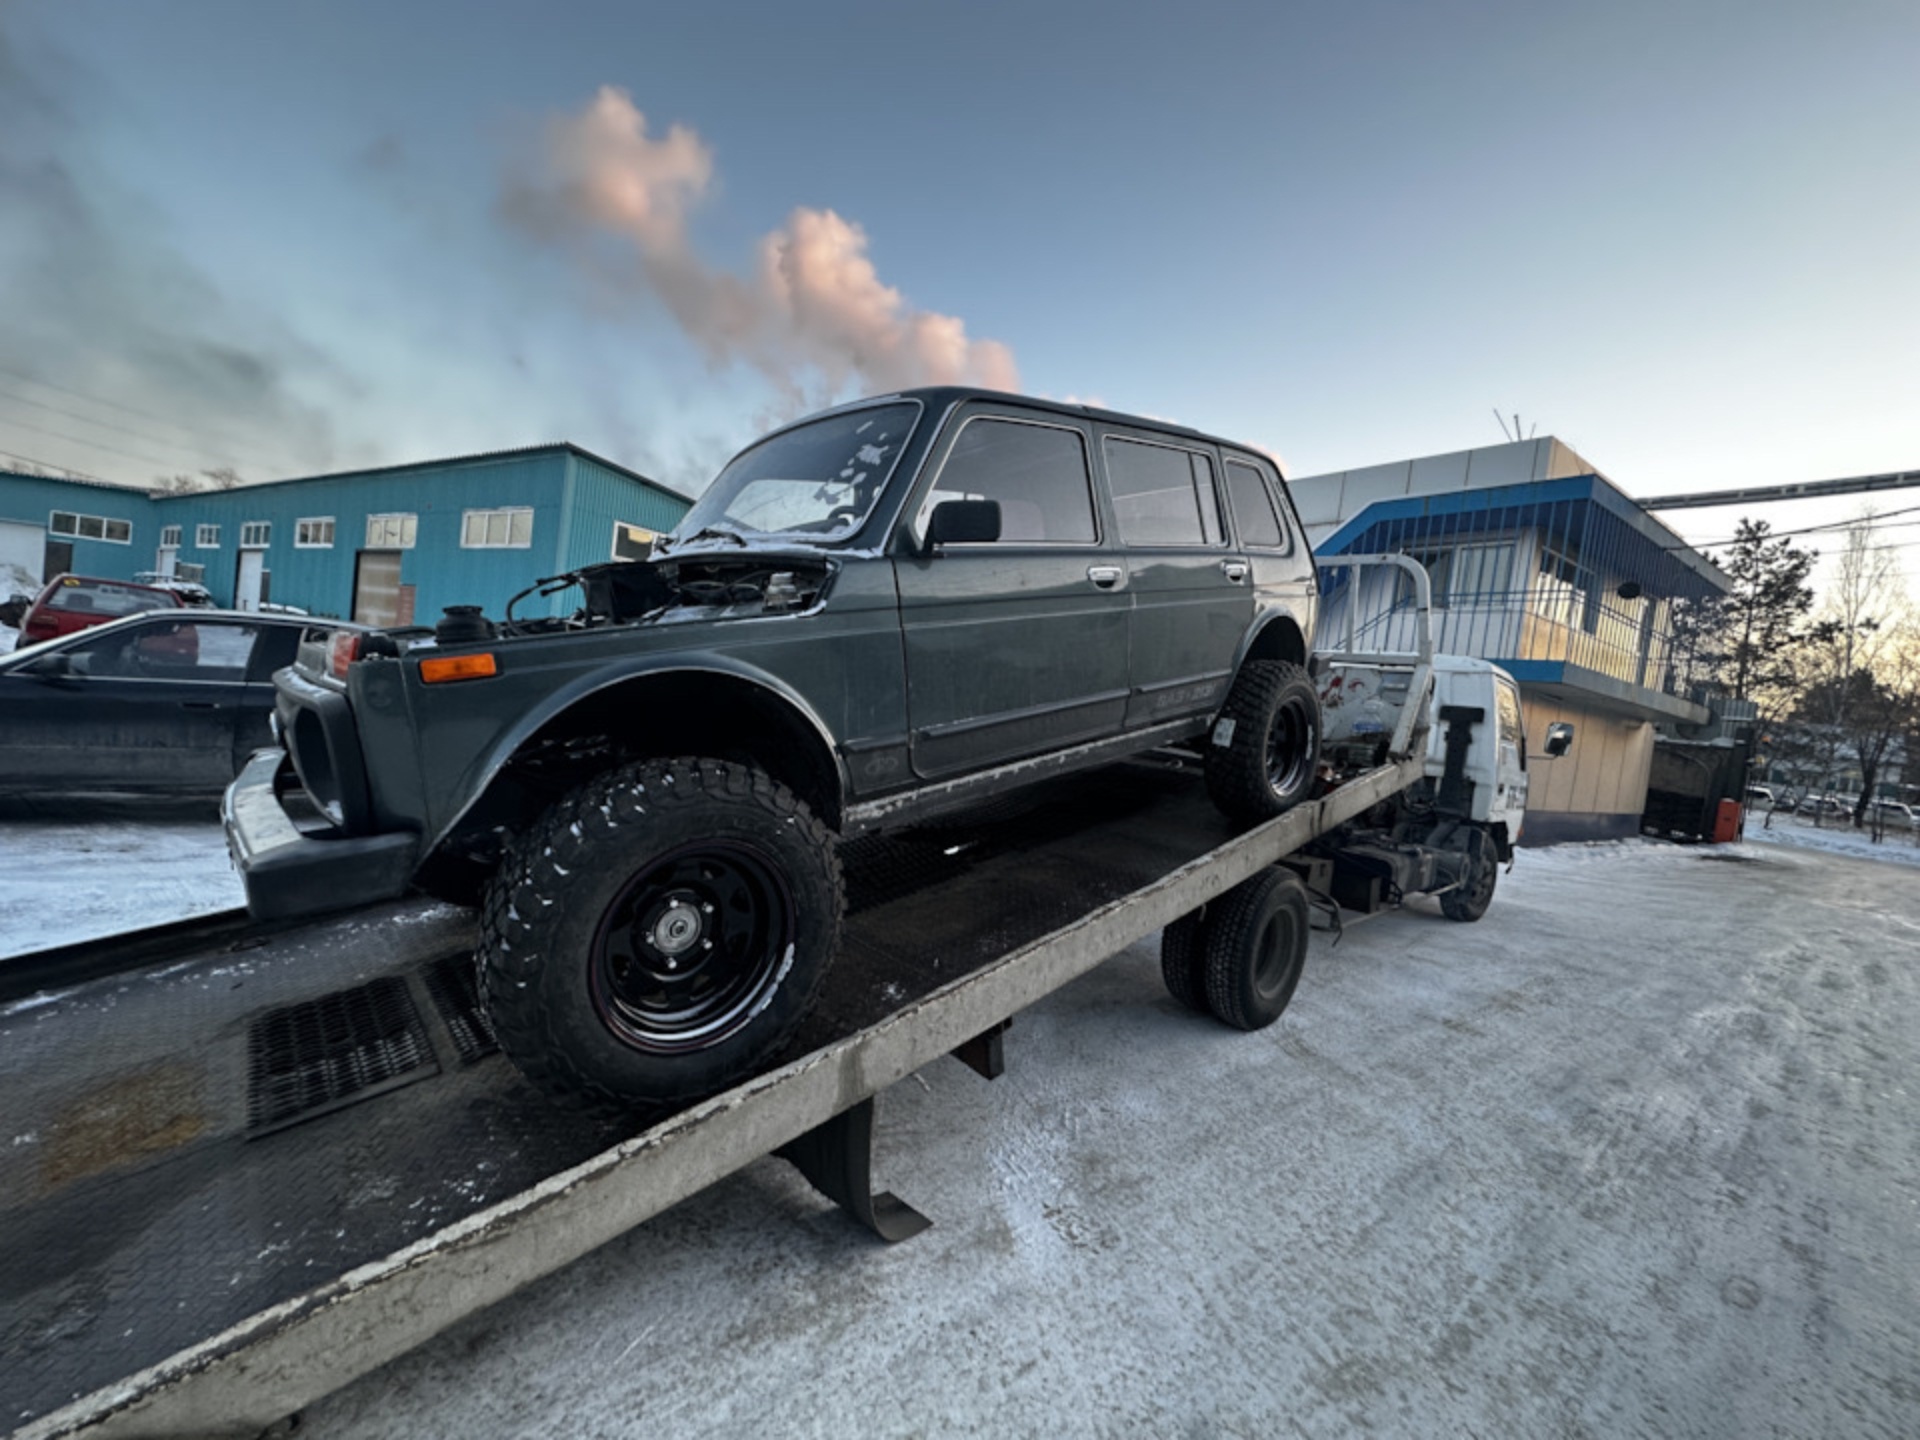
(677, 926)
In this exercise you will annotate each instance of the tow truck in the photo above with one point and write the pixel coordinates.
(250, 1163)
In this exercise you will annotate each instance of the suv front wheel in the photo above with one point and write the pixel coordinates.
(1265, 746)
(659, 933)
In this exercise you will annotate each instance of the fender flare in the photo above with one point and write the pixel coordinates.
(594, 682)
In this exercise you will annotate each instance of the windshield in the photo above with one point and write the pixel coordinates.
(819, 479)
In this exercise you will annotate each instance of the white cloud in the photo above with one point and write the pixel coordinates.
(813, 310)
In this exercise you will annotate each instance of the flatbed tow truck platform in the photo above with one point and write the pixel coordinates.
(235, 1180)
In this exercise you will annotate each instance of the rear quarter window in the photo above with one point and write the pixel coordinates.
(1253, 508)
(109, 600)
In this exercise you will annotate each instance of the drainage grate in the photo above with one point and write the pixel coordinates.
(305, 1060)
(455, 989)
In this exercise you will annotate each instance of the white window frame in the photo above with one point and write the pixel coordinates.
(256, 534)
(392, 530)
(509, 516)
(305, 530)
(77, 526)
(206, 537)
(170, 537)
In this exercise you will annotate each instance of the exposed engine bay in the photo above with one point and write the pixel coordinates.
(628, 592)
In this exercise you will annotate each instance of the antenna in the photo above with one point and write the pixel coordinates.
(1514, 433)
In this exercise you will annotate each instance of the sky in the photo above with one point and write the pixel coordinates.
(314, 236)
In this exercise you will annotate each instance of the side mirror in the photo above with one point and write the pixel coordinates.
(963, 522)
(58, 666)
(1559, 738)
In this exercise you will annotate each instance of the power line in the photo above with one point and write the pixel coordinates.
(84, 419)
(91, 444)
(1795, 490)
(1870, 521)
(196, 433)
(67, 470)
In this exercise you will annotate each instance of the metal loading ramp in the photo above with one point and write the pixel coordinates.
(239, 1180)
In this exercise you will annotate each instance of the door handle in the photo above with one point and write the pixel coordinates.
(1105, 576)
(1234, 570)
(198, 705)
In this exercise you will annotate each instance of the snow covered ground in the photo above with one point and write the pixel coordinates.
(1899, 847)
(1633, 1155)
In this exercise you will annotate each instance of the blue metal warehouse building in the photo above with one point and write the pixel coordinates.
(388, 546)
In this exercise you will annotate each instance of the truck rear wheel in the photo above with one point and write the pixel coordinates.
(1183, 960)
(1256, 947)
(1265, 747)
(659, 934)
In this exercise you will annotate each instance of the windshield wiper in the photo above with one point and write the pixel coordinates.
(712, 532)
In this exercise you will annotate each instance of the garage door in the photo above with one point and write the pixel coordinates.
(21, 549)
(376, 588)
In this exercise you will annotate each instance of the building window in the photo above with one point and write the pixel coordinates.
(256, 534)
(510, 529)
(1468, 574)
(391, 532)
(90, 527)
(206, 537)
(170, 536)
(315, 533)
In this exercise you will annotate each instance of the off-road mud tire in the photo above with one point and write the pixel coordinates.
(1268, 766)
(576, 986)
(1183, 960)
(1255, 949)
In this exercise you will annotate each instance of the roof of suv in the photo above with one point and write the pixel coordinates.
(938, 398)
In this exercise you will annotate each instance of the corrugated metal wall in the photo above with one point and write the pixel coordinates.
(574, 500)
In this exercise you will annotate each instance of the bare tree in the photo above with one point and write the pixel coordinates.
(1862, 637)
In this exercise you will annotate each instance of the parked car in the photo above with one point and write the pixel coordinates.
(1760, 796)
(191, 592)
(1894, 814)
(896, 607)
(158, 702)
(77, 602)
(14, 608)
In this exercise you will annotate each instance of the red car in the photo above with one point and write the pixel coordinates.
(74, 602)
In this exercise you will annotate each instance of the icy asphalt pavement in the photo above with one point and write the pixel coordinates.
(1635, 1155)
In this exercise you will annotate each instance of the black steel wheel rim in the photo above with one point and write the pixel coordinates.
(1291, 748)
(692, 948)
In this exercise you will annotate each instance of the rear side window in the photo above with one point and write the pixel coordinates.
(1162, 495)
(1038, 473)
(111, 600)
(1253, 508)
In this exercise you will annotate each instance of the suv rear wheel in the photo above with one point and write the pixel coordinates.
(1265, 747)
(659, 933)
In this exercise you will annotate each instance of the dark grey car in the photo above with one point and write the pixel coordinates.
(163, 702)
(889, 609)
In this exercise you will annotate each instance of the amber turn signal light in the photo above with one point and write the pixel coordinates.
(442, 668)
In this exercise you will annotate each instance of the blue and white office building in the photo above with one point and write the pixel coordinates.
(1542, 565)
